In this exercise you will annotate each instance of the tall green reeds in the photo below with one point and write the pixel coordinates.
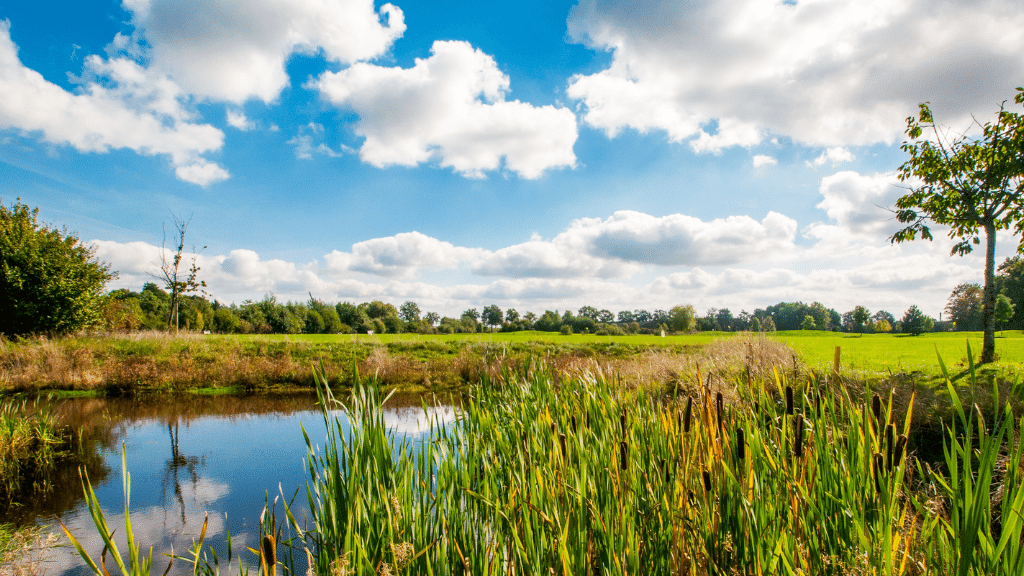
(30, 442)
(593, 477)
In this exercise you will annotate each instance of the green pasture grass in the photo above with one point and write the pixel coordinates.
(491, 337)
(879, 354)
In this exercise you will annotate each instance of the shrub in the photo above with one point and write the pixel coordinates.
(49, 281)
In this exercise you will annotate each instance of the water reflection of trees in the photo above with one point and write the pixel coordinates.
(100, 426)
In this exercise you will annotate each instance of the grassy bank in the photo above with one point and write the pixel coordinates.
(592, 475)
(158, 361)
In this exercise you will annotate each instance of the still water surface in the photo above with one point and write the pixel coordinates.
(190, 456)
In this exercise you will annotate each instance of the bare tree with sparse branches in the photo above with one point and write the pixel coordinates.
(174, 279)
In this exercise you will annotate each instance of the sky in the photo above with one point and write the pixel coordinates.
(537, 155)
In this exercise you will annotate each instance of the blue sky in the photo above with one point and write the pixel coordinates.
(535, 155)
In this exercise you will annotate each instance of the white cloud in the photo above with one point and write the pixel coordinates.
(450, 107)
(237, 119)
(399, 255)
(822, 72)
(681, 240)
(304, 139)
(835, 155)
(764, 160)
(233, 51)
(859, 208)
(120, 105)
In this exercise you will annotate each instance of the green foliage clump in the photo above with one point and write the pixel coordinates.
(49, 281)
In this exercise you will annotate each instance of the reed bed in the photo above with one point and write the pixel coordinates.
(544, 475)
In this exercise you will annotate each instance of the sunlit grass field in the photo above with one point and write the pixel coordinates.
(866, 354)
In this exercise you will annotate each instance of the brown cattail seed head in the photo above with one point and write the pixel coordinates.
(901, 446)
(740, 448)
(878, 471)
(686, 416)
(718, 409)
(622, 421)
(623, 454)
(573, 423)
(876, 409)
(270, 552)
(561, 440)
(789, 400)
(890, 441)
(798, 440)
(707, 480)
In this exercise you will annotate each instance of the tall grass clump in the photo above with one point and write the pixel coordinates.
(30, 443)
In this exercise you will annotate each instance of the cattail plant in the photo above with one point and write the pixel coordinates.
(789, 400)
(740, 448)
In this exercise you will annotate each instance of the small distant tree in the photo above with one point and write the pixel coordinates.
(511, 316)
(1004, 310)
(683, 318)
(914, 321)
(755, 324)
(409, 312)
(432, 318)
(882, 326)
(966, 307)
(492, 315)
(808, 323)
(768, 325)
(49, 281)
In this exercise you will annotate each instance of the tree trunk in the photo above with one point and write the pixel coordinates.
(988, 348)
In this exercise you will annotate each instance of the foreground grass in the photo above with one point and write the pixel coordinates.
(542, 475)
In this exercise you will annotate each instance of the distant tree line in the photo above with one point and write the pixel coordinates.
(124, 310)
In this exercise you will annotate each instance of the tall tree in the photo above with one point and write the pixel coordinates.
(972, 184)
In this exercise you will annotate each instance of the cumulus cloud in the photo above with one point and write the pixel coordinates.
(399, 255)
(681, 240)
(450, 107)
(120, 105)
(824, 73)
(233, 51)
(764, 160)
(835, 155)
(859, 208)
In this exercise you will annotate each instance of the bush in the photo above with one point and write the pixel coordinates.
(49, 281)
(565, 330)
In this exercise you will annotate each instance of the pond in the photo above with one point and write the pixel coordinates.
(192, 457)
